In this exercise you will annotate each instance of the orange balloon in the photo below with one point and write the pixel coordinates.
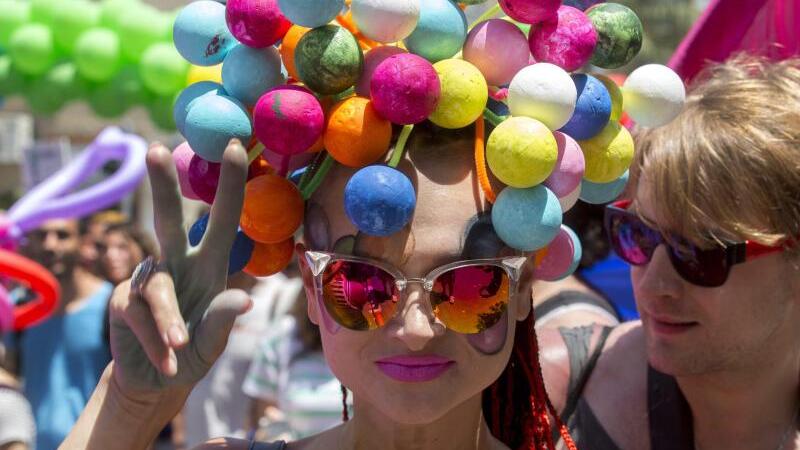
(287, 48)
(356, 135)
(273, 209)
(269, 259)
(259, 166)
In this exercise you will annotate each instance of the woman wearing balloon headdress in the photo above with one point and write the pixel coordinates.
(420, 243)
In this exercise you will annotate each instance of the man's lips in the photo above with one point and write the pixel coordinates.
(414, 369)
(671, 326)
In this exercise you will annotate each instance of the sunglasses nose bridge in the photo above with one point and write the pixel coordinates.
(403, 284)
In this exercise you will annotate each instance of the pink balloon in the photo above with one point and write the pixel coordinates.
(405, 89)
(256, 23)
(372, 60)
(288, 120)
(498, 49)
(6, 311)
(182, 156)
(570, 166)
(567, 42)
(204, 178)
(562, 258)
(295, 161)
(531, 11)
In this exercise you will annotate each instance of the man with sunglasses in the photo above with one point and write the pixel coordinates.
(710, 226)
(61, 359)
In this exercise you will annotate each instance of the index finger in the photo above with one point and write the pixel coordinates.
(227, 208)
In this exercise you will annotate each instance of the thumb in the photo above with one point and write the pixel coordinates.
(212, 332)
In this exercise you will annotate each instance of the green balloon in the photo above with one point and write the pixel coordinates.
(13, 14)
(73, 17)
(59, 86)
(32, 48)
(11, 81)
(43, 11)
(123, 92)
(97, 54)
(161, 112)
(141, 27)
(112, 11)
(328, 59)
(163, 70)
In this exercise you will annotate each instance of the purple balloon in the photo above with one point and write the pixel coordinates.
(54, 197)
(6, 311)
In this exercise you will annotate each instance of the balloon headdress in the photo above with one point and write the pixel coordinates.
(311, 83)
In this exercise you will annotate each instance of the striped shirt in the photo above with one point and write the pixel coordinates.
(16, 419)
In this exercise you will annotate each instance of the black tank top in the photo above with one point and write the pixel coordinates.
(670, 419)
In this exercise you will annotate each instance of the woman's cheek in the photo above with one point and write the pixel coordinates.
(492, 340)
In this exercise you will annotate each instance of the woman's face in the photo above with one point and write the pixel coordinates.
(445, 229)
(121, 256)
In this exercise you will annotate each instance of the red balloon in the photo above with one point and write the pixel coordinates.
(39, 280)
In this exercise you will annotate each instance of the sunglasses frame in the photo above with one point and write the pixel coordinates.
(319, 261)
(735, 252)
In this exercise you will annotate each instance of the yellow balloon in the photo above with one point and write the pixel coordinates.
(522, 152)
(199, 73)
(608, 155)
(616, 96)
(464, 94)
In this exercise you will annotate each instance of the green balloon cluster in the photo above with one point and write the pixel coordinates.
(113, 54)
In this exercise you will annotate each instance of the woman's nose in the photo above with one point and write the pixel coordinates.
(416, 324)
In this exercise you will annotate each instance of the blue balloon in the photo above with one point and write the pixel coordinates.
(242, 249)
(189, 95)
(600, 193)
(440, 32)
(379, 200)
(592, 111)
(527, 219)
(212, 121)
(201, 33)
(250, 72)
(311, 13)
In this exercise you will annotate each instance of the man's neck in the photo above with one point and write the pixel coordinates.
(77, 288)
(462, 428)
(752, 408)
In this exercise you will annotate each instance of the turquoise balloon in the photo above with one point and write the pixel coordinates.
(311, 13)
(248, 73)
(73, 18)
(162, 69)
(97, 54)
(527, 219)
(201, 32)
(189, 95)
(11, 81)
(601, 193)
(32, 49)
(214, 120)
(13, 14)
(140, 28)
(441, 31)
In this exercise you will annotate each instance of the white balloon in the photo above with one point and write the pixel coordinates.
(544, 92)
(386, 21)
(653, 95)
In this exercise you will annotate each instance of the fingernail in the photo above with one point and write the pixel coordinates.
(172, 364)
(235, 143)
(176, 335)
(248, 307)
(155, 144)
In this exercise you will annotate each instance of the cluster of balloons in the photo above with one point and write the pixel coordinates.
(304, 77)
(115, 54)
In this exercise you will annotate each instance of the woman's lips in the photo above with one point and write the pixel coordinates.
(414, 369)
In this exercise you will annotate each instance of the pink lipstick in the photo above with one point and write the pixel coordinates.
(414, 369)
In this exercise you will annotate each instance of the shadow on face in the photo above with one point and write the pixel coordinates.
(55, 245)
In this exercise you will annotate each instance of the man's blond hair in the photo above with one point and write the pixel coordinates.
(729, 166)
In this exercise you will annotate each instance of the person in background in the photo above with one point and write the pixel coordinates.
(17, 428)
(60, 360)
(93, 239)
(217, 406)
(124, 247)
(294, 392)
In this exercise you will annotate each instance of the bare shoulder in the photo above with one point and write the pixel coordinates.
(617, 389)
(223, 444)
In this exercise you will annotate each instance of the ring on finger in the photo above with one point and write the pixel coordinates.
(142, 274)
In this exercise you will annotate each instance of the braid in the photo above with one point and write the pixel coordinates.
(345, 413)
(524, 423)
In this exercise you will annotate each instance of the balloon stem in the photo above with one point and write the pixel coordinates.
(254, 152)
(316, 181)
(480, 161)
(312, 168)
(493, 118)
(487, 15)
(397, 154)
(285, 160)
